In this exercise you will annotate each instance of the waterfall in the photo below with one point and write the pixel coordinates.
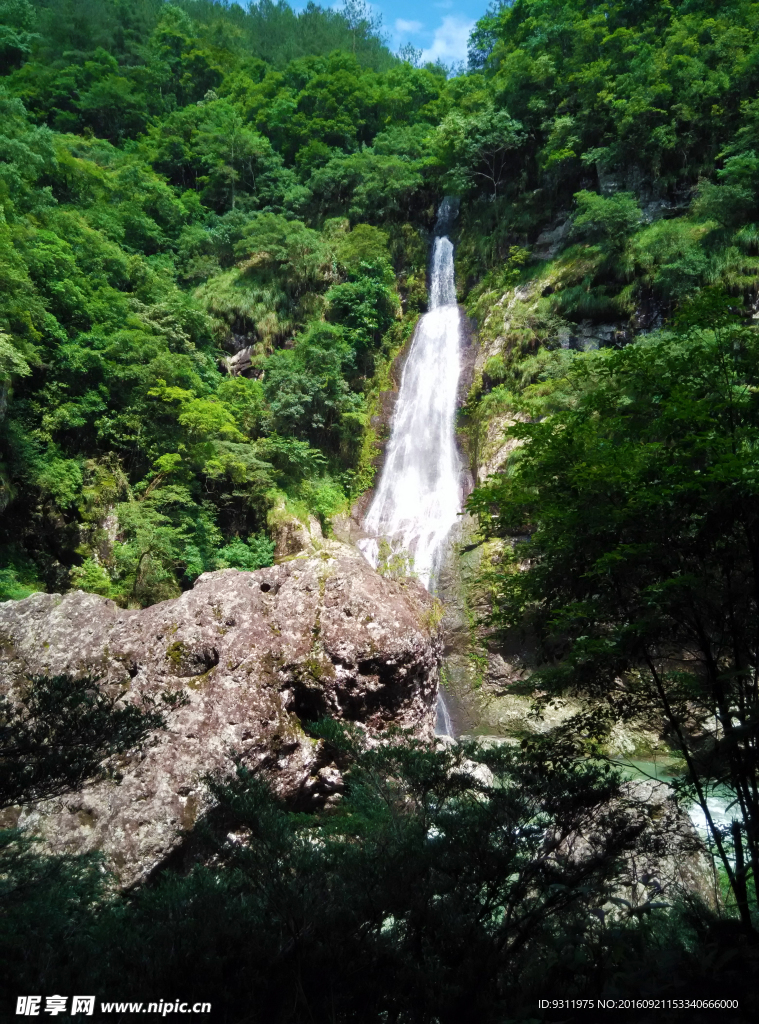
(443, 723)
(419, 493)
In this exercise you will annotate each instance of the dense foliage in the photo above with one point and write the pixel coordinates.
(430, 893)
(638, 497)
(179, 204)
(648, 111)
(628, 500)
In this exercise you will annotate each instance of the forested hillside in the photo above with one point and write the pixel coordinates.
(214, 241)
(185, 195)
(192, 190)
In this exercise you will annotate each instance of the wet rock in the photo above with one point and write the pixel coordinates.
(256, 654)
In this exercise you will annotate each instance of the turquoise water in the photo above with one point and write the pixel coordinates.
(663, 770)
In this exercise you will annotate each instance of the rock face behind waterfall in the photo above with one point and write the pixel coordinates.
(255, 653)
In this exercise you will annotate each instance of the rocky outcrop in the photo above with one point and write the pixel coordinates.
(673, 858)
(667, 858)
(291, 535)
(256, 653)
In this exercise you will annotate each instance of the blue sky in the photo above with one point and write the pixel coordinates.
(440, 28)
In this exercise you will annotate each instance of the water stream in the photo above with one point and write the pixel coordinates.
(420, 489)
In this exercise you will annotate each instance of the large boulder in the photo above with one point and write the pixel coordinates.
(670, 857)
(666, 856)
(256, 653)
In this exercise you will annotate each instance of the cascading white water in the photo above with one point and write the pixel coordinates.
(419, 493)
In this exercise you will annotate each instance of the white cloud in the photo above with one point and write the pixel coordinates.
(450, 40)
(407, 28)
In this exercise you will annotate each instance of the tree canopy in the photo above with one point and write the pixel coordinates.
(190, 190)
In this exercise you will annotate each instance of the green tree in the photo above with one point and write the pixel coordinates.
(640, 574)
(307, 392)
(477, 149)
(256, 553)
(17, 20)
